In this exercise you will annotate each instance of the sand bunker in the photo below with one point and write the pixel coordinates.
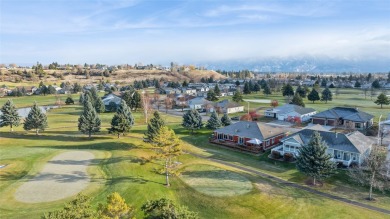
(63, 176)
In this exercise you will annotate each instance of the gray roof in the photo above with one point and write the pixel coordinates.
(286, 108)
(346, 113)
(251, 130)
(354, 142)
(226, 103)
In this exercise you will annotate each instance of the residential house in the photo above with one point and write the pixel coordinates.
(112, 97)
(248, 136)
(226, 106)
(290, 111)
(197, 103)
(189, 91)
(344, 117)
(344, 148)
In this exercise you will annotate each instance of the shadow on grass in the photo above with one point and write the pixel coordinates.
(66, 136)
(216, 175)
(106, 146)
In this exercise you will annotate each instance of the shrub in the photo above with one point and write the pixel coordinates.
(288, 157)
(276, 154)
(69, 101)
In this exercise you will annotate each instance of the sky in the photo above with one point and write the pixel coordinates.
(131, 31)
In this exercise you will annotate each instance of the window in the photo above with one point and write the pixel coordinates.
(287, 147)
(358, 125)
(225, 137)
(230, 138)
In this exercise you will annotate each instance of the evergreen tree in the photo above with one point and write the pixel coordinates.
(225, 120)
(154, 126)
(375, 84)
(81, 98)
(185, 83)
(10, 116)
(99, 105)
(313, 159)
(69, 100)
(323, 82)
(94, 97)
(237, 97)
(89, 121)
(297, 100)
(35, 119)
(79, 208)
(301, 91)
(136, 101)
(382, 99)
(122, 121)
(211, 96)
(217, 91)
(127, 96)
(357, 84)
(288, 90)
(246, 88)
(192, 120)
(237, 83)
(213, 122)
(256, 87)
(313, 95)
(166, 209)
(267, 90)
(326, 95)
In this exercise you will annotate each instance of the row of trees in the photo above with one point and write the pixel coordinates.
(116, 207)
(35, 120)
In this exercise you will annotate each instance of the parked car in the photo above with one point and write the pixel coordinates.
(235, 118)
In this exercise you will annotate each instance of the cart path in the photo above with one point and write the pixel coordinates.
(63, 176)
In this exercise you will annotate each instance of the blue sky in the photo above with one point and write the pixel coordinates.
(117, 32)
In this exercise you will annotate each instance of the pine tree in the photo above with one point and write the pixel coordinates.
(301, 91)
(127, 96)
(69, 100)
(313, 95)
(267, 90)
(122, 121)
(382, 99)
(192, 120)
(288, 90)
(246, 88)
(313, 159)
(136, 101)
(89, 121)
(10, 116)
(35, 119)
(297, 100)
(213, 122)
(211, 96)
(225, 120)
(256, 87)
(99, 105)
(217, 91)
(237, 97)
(81, 98)
(94, 96)
(326, 95)
(154, 126)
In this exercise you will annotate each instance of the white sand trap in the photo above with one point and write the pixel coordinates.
(63, 176)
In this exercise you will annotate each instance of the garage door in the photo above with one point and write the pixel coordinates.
(319, 121)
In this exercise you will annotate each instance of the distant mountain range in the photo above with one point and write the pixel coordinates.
(303, 64)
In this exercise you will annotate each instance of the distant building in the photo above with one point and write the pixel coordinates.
(290, 110)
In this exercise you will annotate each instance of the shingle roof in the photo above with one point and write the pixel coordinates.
(355, 142)
(286, 108)
(352, 114)
(251, 130)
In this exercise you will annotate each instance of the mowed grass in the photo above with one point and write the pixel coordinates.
(119, 166)
(214, 181)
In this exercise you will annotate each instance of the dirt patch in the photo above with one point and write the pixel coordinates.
(63, 176)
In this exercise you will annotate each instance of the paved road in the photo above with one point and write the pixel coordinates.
(294, 185)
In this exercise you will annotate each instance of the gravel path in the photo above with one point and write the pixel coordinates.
(63, 176)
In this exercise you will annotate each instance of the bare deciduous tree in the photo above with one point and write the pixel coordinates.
(372, 172)
(168, 103)
(146, 104)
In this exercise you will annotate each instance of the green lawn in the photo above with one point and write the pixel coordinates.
(120, 166)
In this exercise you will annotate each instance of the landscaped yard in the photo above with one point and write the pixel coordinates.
(119, 165)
